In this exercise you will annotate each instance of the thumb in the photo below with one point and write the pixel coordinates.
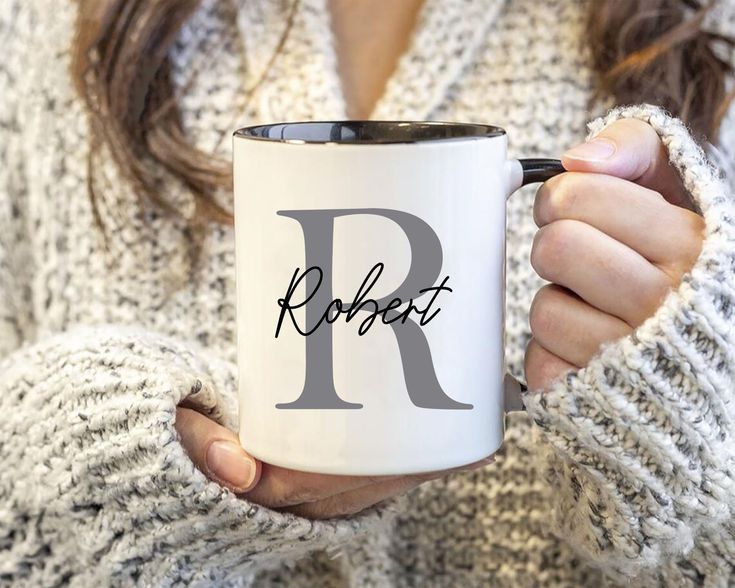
(632, 150)
(216, 451)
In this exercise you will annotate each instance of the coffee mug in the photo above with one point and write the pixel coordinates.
(370, 292)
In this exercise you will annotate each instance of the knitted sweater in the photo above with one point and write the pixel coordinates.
(622, 474)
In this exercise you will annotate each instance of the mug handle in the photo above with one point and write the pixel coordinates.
(522, 172)
(528, 171)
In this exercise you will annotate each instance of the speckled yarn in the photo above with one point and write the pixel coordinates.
(622, 474)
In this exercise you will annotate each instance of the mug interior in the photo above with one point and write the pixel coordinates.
(368, 131)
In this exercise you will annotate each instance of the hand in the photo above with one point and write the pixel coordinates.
(616, 234)
(216, 451)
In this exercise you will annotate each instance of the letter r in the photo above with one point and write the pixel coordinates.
(426, 263)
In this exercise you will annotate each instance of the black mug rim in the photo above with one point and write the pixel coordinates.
(367, 132)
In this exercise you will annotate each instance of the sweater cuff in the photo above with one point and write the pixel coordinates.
(88, 447)
(642, 439)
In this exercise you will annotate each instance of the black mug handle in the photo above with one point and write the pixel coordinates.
(531, 172)
(539, 170)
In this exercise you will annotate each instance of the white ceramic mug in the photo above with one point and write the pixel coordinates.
(370, 278)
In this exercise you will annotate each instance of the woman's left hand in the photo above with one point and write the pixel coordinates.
(616, 234)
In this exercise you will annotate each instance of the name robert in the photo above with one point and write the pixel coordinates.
(361, 302)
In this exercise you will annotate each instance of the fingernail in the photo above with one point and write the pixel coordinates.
(229, 462)
(595, 150)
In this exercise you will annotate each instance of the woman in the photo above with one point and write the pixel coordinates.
(116, 275)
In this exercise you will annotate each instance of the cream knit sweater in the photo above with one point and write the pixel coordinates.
(627, 475)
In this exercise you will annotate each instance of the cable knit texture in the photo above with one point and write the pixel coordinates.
(623, 474)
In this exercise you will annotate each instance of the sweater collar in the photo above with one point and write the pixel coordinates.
(447, 36)
(302, 80)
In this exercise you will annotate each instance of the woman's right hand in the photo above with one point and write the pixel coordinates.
(217, 452)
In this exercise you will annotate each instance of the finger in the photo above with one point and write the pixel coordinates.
(216, 451)
(355, 501)
(667, 235)
(281, 487)
(543, 367)
(602, 271)
(632, 150)
(570, 328)
(368, 490)
(475, 465)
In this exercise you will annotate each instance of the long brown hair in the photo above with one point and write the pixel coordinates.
(642, 51)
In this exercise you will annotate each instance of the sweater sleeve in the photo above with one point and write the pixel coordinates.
(640, 444)
(95, 485)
